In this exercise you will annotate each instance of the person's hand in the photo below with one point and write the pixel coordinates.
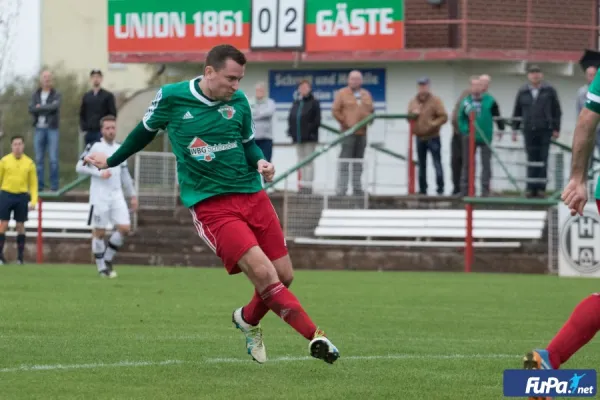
(266, 169)
(554, 134)
(98, 160)
(575, 196)
(31, 206)
(105, 174)
(134, 203)
(37, 106)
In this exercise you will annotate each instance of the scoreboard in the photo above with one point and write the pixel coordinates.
(277, 24)
(194, 26)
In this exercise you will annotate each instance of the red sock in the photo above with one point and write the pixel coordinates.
(581, 327)
(283, 303)
(254, 311)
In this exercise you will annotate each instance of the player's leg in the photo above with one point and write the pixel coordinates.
(21, 211)
(580, 328)
(122, 220)
(99, 221)
(265, 225)
(5, 212)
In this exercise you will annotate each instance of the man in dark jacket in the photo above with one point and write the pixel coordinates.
(537, 112)
(95, 104)
(303, 127)
(45, 109)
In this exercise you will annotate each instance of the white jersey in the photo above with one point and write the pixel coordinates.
(106, 191)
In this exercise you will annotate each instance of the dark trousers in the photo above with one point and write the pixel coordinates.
(434, 146)
(266, 145)
(485, 155)
(352, 147)
(92, 137)
(537, 146)
(456, 161)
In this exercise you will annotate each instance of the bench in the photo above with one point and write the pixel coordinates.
(427, 228)
(59, 220)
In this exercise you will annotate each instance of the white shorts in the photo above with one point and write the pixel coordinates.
(114, 212)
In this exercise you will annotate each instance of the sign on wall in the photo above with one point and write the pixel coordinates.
(283, 86)
(579, 246)
(178, 26)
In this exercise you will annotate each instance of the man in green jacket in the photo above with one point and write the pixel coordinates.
(485, 108)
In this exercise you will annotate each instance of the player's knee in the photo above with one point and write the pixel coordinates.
(3, 226)
(264, 275)
(124, 229)
(99, 233)
(287, 279)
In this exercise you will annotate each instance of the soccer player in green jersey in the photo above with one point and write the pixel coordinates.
(584, 322)
(210, 127)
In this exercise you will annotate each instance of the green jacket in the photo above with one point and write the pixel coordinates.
(485, 109)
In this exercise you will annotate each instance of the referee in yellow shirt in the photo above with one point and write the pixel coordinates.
(18, 193)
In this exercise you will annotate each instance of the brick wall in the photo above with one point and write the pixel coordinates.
(482, 36)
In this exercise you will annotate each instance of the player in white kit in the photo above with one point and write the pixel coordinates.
(107, 199)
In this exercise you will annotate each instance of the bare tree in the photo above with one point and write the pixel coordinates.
(9, 19)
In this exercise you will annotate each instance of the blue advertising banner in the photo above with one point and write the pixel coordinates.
(283, 85)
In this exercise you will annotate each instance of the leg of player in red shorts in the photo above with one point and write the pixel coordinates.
(228, 224)
(580, 328)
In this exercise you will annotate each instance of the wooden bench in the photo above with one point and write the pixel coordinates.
(59, 220)
(427, 228)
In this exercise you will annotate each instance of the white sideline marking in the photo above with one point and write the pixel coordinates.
(380, 357)
(56, 367)
(89, 366)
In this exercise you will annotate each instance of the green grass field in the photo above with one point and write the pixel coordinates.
(164, 333)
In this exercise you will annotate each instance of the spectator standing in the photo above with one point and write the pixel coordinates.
(18, 193)
(486, 109)
(45, 109)
(456, 161)
(95, 104)
(263, 109)
(538, 107)
(351, 105)
(304, 120)
(431, 115)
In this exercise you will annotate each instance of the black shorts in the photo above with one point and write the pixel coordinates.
(17, 203)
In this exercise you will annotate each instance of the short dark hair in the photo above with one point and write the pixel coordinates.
(303, 81)
(218, 55)
(107, 118)
(17, 137)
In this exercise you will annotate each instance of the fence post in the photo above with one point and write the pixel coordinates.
(471, 193)
(40, 239)
(411, 164)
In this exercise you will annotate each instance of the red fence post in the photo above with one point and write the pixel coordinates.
(471, 193)
(411, 164)
(40, 239)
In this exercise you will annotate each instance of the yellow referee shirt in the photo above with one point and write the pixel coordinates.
(18, 175)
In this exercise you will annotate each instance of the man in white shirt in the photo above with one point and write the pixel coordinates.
(107, 199)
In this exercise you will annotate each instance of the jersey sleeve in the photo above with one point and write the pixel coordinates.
(157, 115)
(592, 101)
(248, 122)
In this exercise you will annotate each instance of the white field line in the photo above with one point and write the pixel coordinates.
(56, 367)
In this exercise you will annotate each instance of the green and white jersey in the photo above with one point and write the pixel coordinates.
(593, 95)
(207, 138)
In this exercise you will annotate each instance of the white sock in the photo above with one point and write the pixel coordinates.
(98, 247)
(115, 241)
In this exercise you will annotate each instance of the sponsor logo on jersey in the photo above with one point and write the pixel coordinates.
(227, 112)
(203, 151)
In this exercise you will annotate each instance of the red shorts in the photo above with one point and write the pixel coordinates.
(231, 224)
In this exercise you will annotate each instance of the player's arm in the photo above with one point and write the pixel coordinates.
(33, 185)
(1, 171)
(584, 138)
(156, 118)
(87, 169)
(253, 153)
(127, 181)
